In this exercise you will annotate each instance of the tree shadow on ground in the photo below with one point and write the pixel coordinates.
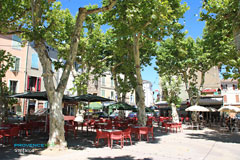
(8, 151)
(80, 142)
(83, 141)
(216, 136)
(118, 158)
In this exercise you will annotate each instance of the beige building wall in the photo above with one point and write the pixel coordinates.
(9, 45)
(212, 81)
(105, 87)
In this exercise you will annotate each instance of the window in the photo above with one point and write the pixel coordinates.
(13, 87)
(35, 60)
(53, 67)
(16, 64)
(131, 98)
(224, 86)
(112, 83)
(103, 81)
(16, 42)
(112, 95)
(34, 84)
(103, 93)
(235, 87)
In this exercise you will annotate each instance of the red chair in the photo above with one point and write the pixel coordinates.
(116, 136)
(27, 127)
(1, 137)
(69, 127)
(182, 119)
(187, 121)
(143, 131)
(150, 131)
(13, 132)
(173, 126)
(101, 135)
(127, 134)
(149, 122)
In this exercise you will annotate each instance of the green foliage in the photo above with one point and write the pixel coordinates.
(222, 25)
(180, 56)
(171, 85)
(6, 61)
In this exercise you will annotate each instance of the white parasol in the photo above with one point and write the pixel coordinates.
(197, 108)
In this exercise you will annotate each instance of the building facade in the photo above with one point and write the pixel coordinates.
(230, 92)
(148, 92)
(26, 73)
(104, 87)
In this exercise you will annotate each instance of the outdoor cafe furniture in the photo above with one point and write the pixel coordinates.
(143, 131)
(101, 125)
(101, 135)
(3, 130)
(140, 130)
(69, 127)
(150, 131)
(127, 134)
(11, 133)
(115, 135)
(169, 126)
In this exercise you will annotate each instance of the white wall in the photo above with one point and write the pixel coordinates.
(147, 88)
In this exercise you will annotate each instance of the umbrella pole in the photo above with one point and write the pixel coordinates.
(88, 118)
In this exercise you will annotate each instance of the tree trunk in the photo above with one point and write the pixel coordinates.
(187, 87)
(3, 102)
(116, 85)
(200, 87)
(139, 87)
(175, 118)
(56, 132)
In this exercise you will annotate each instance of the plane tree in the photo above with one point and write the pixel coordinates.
(188, 59)
(144, 21)
(222, 33)
(45, 23)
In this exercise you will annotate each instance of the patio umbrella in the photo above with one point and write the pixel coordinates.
(120, 106)
(36, 95)
(90, 98)
(211, 109)
(229, 109)
(39, 96)
(197, 108)
(147, 109)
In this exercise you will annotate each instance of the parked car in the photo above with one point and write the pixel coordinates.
(99, 115)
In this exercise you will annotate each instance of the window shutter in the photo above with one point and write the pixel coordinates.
(39, 84)
(36, 84)
(225, 98)
(237, 98)
(17, 63)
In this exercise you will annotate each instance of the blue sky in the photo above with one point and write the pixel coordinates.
(192, 24)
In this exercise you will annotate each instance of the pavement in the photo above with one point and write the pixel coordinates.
(206, 144)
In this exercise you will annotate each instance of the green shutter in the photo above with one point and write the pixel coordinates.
(17, 63)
